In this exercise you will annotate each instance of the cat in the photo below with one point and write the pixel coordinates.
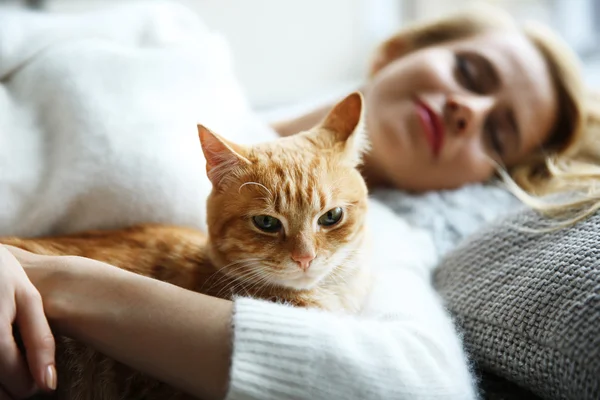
(286, 222)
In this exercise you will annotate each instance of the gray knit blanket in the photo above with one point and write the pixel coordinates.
(528, 304)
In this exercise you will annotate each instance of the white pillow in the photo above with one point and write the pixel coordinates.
(98, 116)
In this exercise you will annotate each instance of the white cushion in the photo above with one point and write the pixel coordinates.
(98, 116)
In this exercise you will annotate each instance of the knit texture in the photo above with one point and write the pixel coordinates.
(528, 304)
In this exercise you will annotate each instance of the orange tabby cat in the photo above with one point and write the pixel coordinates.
(285, 221)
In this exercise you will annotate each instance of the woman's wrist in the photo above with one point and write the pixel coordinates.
(111, 309)
(65, 284)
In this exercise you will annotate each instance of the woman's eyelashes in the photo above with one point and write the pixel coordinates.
(476, 73)
(467, 74)
(493, 137)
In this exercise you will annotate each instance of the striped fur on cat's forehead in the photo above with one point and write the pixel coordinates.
(300, 173)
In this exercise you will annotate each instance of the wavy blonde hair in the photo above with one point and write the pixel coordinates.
(569, 161)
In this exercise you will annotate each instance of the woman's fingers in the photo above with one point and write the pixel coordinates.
(14, 374)
(37, 339)
(27, 313)
(15, 379)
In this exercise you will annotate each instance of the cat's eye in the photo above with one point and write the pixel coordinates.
(331, 217)
(266, 223)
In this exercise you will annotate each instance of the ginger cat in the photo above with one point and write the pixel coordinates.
(286, 222)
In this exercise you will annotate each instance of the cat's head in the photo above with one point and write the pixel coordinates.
(292, 211)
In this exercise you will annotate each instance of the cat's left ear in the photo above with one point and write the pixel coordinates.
(222, 157)
(346, 123)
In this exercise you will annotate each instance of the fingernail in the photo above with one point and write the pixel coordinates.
(51, 377)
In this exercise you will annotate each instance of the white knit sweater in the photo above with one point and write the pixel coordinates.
(403, 347)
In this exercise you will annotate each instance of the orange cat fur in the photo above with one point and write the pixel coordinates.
(285, 221)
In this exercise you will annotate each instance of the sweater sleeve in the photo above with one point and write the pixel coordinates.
(404, 347)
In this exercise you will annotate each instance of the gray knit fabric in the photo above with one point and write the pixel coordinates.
(529, 304)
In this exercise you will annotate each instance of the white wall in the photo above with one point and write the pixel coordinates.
(286, 51)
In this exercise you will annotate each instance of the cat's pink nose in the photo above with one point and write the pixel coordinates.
(303, 260)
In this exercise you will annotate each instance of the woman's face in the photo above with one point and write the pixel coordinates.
(437, 114)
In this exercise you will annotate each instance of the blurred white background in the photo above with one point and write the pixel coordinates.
(292, 51)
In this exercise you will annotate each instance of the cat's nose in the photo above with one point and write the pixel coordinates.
(303, 260)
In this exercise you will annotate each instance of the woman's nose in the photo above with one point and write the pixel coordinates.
(463, 116)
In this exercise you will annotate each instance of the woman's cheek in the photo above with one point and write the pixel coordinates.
(481, 169)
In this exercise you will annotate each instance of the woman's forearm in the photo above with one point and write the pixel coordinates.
(309, 119)
(301, 123)
(180, 337)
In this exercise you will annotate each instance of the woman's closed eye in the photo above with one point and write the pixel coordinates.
(501, 135)
(475, 73)
(493, 138)
(466, 73)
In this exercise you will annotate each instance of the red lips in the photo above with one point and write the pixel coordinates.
(432, 126)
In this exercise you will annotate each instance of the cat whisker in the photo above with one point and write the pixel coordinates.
(334, 278)
(218, 278)
(257, 184)
(267, 285)
(228, 273)
(236, 265)
(256, 278)
(259, 279)
(237, 286)
(336, 274)
(241, 280)
(262, 282)
(234, 283)
(239, 262)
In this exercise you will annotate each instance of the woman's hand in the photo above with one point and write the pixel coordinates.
(21, 306)
(111, 309)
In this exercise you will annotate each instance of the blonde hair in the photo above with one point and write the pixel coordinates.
(569, 161)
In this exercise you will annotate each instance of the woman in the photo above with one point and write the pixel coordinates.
(443, 98)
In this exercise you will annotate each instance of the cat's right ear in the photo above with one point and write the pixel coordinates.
(222, 157)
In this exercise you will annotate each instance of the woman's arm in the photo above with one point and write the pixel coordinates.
(293, 353)
(178, 336)
(310, 119)
(301, 123)
(406, 348)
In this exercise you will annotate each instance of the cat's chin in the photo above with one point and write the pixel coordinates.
(302, 280)
(305, 283)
